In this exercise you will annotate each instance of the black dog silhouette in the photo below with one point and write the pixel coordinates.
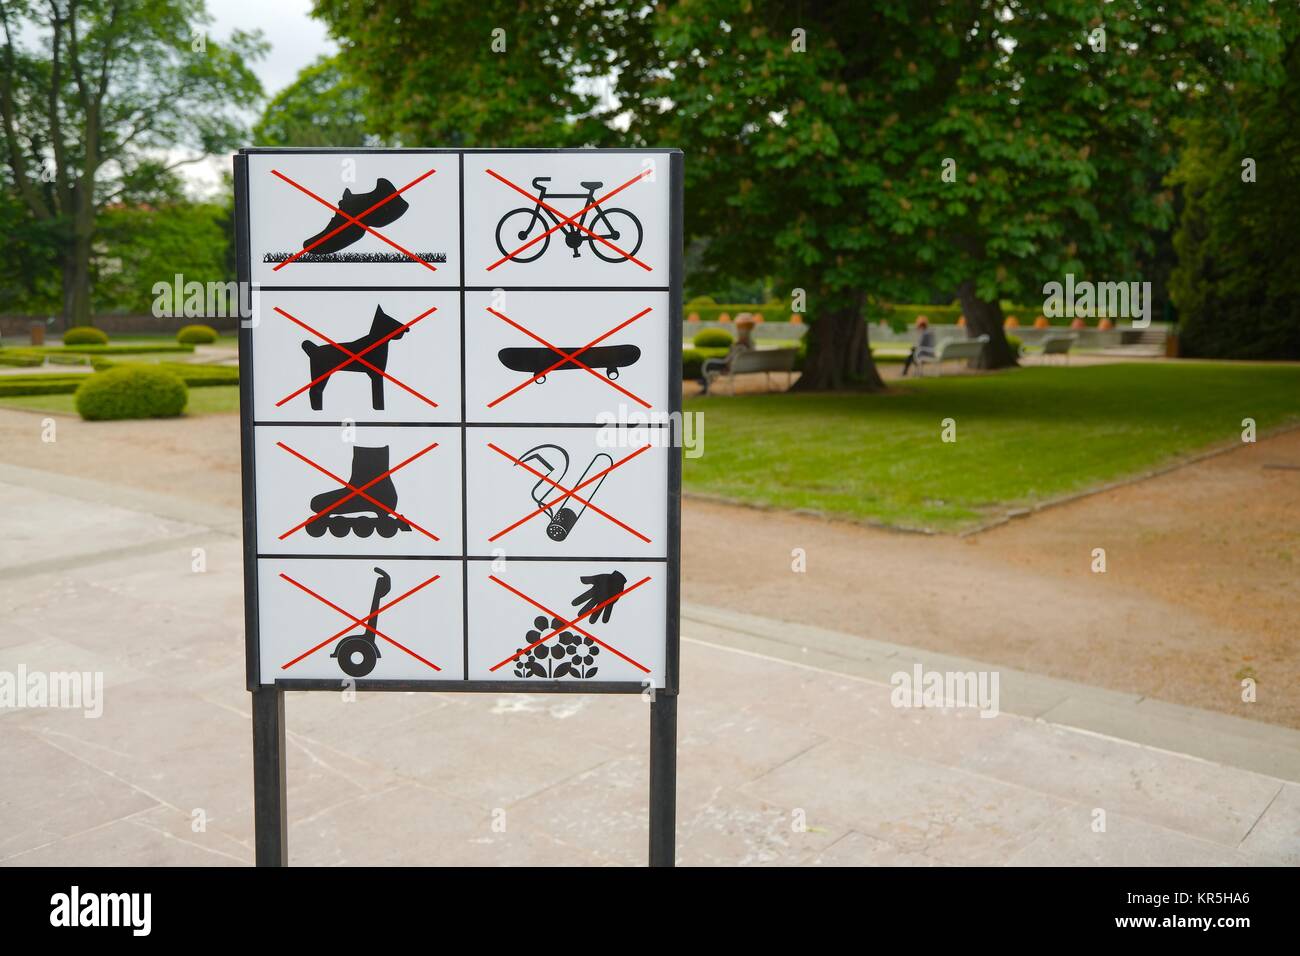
(325, 358)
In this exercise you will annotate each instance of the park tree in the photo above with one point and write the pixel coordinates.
(1237, 281)
(980, 146)
(853, 153)
(98, 98)
(323, 106)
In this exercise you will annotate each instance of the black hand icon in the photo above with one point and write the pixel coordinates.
(603, 588)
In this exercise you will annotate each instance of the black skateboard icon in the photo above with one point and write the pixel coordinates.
(359, 515)
(326, 359)
(535, 360)
(357, 653)
(355, 205)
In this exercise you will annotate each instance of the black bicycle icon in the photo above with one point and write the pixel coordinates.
(616, 226)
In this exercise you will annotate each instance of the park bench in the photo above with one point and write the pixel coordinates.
(951, 350)
(756, 360)
(1057, 345)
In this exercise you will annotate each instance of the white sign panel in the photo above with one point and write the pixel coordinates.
(460, 373)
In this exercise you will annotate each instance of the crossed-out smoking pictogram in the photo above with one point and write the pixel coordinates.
(354, 491)
(565, 625)
(353, 220)
(565, 357)
(567, 493)
(354, 621)
(358, 357)
(568, 220)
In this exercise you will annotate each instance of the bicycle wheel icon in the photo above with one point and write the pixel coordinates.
(524, 234)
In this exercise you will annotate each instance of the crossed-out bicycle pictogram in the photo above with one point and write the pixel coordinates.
(563, 221)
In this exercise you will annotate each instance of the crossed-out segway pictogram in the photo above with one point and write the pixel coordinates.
(364, 622)
(567, 625)
(350, 220)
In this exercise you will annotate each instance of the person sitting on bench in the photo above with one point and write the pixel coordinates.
(744, 343)
(924, 346)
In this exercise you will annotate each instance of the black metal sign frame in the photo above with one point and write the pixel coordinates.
(269, 771)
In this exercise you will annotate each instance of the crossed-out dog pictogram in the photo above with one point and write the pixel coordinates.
(354, 491)
(568, 220)
(567, 493)
(568, 624)
(358, 357)
(354, 621)
(568, 357)
(353, 221)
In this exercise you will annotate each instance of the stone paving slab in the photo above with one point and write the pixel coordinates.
(791, 752)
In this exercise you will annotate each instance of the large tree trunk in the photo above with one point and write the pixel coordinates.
(985, 318)
(76, 282)
(839, 356)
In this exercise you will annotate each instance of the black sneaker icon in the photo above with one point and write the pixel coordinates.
(354, 206)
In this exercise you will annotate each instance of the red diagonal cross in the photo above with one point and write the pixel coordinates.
(353, 221)
(568, 624)
(568, 357)
(568, 494)
(569, 220)
(352, 357)
(361, 621)
(353, 491)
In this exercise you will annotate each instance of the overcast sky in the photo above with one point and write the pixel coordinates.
(295, 38)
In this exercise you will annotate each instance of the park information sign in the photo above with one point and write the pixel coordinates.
(461, 382)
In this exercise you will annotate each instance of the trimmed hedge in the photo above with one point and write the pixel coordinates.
(21, 358)
(713, 339)
(197, 335)
(194, 376)
(126, 349)
(131, 391)
(710, 311)
(84, 335)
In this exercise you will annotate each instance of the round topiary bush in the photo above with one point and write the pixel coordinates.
(197, 335)
(131, 391)
(712, 339)
(84, 335)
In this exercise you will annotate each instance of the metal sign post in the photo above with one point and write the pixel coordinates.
(460, 383)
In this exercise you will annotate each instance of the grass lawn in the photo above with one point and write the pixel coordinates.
(203, 401)
(1022, 437)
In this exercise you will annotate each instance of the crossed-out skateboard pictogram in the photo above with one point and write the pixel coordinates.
(358, 357)
(354, 621)
(354, 491)
(573, 221)
(566, 624)
(567, 493)
(350, 220)
(568, 357)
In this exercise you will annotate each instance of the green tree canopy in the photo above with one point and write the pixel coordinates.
(100, 97)
(323, 106)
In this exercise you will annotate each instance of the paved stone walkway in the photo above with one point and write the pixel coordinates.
(790, 750)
